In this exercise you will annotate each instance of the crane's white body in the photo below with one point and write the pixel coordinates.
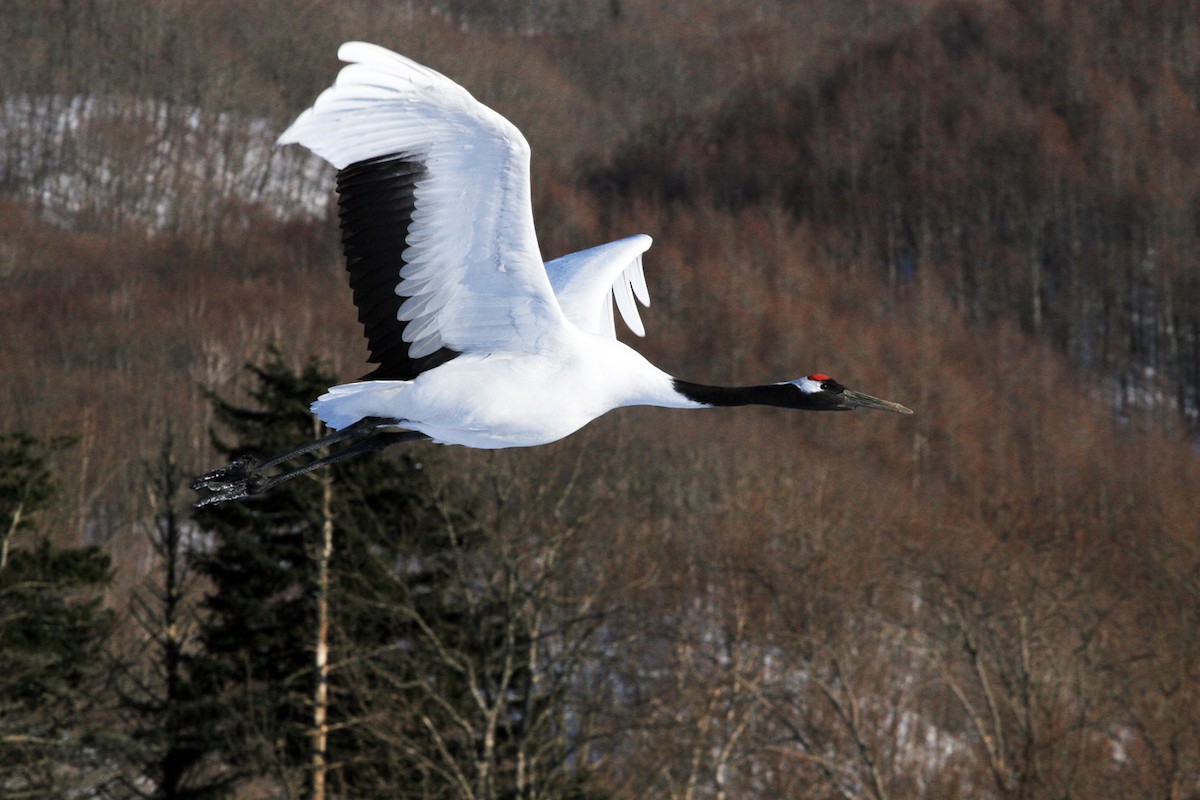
(503, 399)
(478, 342)
(538, 354)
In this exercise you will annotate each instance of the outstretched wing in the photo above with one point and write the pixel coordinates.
(437, 225)
(587, 282)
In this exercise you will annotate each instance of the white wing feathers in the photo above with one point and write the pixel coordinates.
(587, 282)
(472, 272)
(468, 274)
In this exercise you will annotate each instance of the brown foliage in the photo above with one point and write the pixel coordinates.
(984, 211)
(1035, 158)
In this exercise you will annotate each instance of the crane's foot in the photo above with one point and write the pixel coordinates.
(249, 476)
(234, 481)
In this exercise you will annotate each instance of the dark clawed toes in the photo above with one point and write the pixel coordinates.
(233, 481)
(231, 493)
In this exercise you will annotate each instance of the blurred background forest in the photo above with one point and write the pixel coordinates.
(988, 210)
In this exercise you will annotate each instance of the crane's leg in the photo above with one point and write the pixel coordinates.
(249, 476)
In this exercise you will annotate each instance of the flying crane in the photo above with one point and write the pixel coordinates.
(477, 342)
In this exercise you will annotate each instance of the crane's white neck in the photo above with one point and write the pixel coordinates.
(640, 383)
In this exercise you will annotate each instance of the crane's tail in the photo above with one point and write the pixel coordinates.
(344, 405)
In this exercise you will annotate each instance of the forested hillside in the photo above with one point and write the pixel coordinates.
(988, 211)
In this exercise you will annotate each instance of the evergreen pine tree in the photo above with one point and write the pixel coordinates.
(257, 634)
(53, 628)
(429, 687)
(170, 752)
(262, 614)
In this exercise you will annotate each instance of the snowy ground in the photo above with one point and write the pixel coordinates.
(168, 167)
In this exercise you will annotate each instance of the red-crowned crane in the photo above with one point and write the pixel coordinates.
(477, 341)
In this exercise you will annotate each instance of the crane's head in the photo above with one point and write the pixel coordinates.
(822, 393)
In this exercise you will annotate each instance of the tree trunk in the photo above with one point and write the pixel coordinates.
(320, 726)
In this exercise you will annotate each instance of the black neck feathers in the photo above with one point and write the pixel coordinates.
(784, 395)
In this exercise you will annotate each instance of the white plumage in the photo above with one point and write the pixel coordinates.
(472, 273)
(477, 341)
(472, 269)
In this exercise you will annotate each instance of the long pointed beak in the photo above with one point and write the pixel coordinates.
(850, 400)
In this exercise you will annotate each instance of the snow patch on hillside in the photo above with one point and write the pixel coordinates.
(169, 167)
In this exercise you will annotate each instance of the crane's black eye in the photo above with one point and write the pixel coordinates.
(832, 386)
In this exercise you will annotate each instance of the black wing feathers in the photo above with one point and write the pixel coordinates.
(375, 204)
